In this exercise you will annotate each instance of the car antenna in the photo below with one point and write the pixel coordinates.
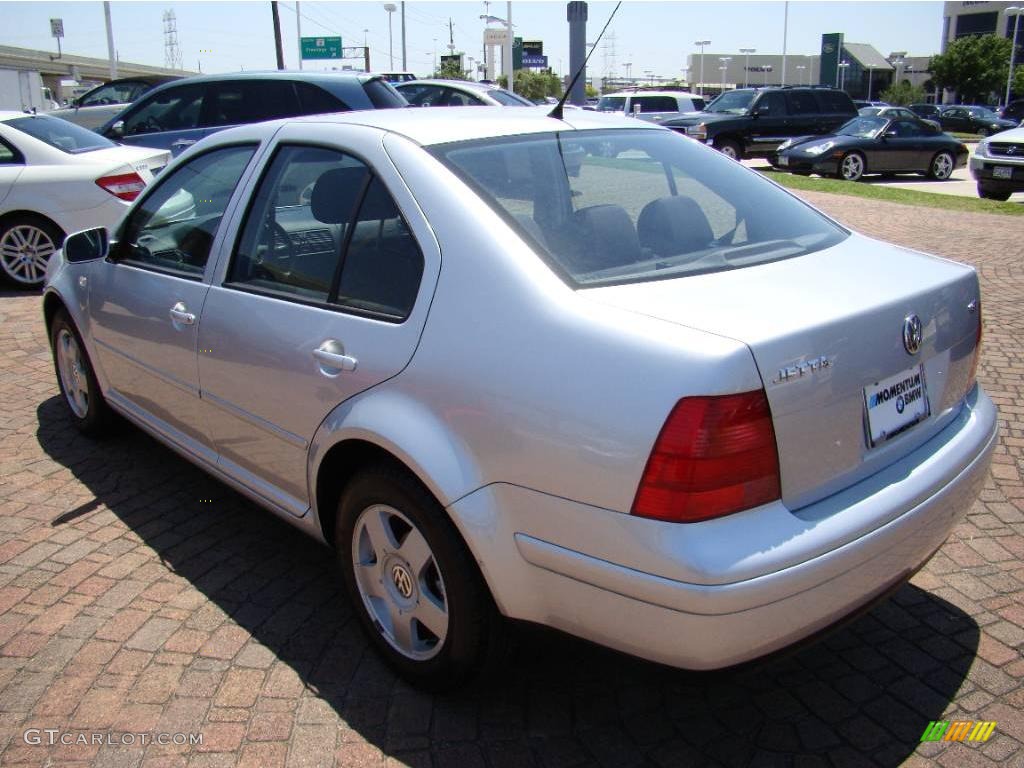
(557, 111)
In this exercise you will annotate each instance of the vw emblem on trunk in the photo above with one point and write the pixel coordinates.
(912, 334)
(402, 580)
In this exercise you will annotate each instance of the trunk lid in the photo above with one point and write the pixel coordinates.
(826, 331)
(145, 161)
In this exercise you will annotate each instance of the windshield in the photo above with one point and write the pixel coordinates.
(611, 104)
(734, 102)
(862, 127)
(60, 134)
(507, 99)
(621, 206)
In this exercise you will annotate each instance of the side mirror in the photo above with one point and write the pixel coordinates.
(117, 129)
(891, 134)
(90, 245)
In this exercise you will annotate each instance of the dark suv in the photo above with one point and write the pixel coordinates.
(176, 115)
(752, 122)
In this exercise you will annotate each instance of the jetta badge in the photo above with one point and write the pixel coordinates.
(912, 334)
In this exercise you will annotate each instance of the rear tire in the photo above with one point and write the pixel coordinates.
(412, 581)
(852, 166)
(941, 166)
(26, 243)
(77, 381)
(993, 194)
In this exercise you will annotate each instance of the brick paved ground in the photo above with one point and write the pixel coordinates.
(136, 595)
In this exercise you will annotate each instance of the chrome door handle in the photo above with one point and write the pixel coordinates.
(332, 358)
(180, 314)
(182, 143)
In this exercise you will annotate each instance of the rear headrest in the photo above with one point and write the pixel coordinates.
(378, 204)
(670, 226)
(608, 237)
(334, 194)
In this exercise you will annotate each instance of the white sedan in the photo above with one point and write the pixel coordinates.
(57, 178)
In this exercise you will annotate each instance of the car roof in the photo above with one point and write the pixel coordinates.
(684, 94)
(470, 85)
(440, 126)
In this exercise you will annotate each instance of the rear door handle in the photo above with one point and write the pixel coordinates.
(180, 314)
(332, 358)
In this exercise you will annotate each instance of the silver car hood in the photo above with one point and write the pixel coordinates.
(821, 328)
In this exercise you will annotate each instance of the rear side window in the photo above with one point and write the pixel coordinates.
(656, 103)
(322, 229)
(8, 155)
(176, 109)
(801, 103)
(249, 101)
(835, 102)
(382, 94)
(314, 100)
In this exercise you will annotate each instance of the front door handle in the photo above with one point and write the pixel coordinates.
(182, 143)
(180, 314)
(332, 358)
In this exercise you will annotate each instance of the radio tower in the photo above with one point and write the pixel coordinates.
(172, 53)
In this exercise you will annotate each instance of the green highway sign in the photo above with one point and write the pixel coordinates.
(321, 48)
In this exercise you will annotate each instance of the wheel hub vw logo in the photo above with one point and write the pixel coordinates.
(912, 334)
(402, 580)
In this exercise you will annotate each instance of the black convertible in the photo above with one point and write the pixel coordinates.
(873, 144)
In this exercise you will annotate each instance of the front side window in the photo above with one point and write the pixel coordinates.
(424, 95)
(611, 104)
(65, 136)
(658, 206)
(113, 93)
(175, 109)
(508, 99)
(772, 103)
(656, 103)
(323, 229)
(173, 228)
(453, 98)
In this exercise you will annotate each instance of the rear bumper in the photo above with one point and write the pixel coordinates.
(714, 594)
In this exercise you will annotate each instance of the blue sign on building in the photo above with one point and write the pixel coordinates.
(535, 61)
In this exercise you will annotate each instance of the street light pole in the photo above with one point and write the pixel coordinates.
(871, 71)
(701, 43)
(800, 78)
(725, 66)
(391, 8)
(842, 74)
(1016, 11)
(746, 64)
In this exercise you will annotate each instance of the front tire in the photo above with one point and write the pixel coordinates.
(412, 581)
(26, 244)
(729, 148)
(852, 167)
(77, 381)
(941, 167)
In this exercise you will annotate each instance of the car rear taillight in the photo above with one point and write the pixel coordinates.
(124, 186)
(714, 456)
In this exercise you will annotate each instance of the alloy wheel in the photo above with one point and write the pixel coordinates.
(852, 167)
(399, 582)
(942, 166)
(73, 375)
(24, 251)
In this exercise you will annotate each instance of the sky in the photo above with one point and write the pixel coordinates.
(652, 36)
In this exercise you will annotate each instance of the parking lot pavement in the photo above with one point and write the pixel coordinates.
(140, 597)
(960, 183)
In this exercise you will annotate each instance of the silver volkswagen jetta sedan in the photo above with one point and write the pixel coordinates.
(650, 399)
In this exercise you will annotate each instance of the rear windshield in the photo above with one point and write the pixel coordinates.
(61, 134)
(508, 99)
(621, 206)
(383, 95)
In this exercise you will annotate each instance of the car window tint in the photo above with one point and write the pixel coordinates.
(8, 155)
(297, 222)
(61, 134)
(175, 109)
(698, 104)
(314, 100)
(833, 101)
(453, 98)
(508, 99)
(383, 264)
(424, 95)
(801, 103)
(249, 101)
(382, 94)
(906, 128)
(772, 103)
(656, 103)
(173, 228)
(113, 93)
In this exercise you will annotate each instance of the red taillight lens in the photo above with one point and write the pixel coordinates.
(714, 456)
(125, 186)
